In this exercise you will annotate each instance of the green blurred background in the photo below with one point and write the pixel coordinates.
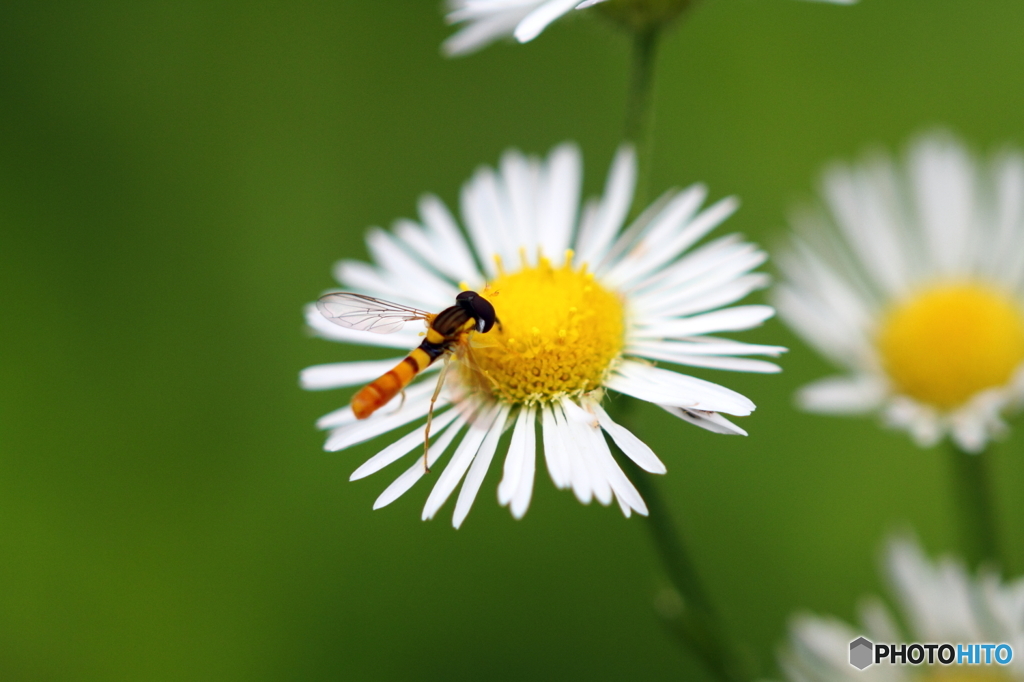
(176, 180)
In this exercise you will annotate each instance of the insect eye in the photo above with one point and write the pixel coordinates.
(484, 313)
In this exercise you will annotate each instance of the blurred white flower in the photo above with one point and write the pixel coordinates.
(582, 308)
(938, 602)
(485, 21)
(913, 283)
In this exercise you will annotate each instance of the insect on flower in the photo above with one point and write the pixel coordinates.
(447, 333)
(588, 305)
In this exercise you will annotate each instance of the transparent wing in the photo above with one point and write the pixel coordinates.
(366, 313)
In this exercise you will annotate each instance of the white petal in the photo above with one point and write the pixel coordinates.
(943, 180)
(403, 445)
(478, 469)
(880, 624)
(806, 316)
(711, 421)
(723, 287)
(737, 318)
(531, 27)
(414, 473)
(339, 417)
(519, 193)
(388, 252)
(937, 599)
(582, 487)
(486, 219)
(695, 230)
(513, 469)
(714, 297)
(835, 299)
(555, 453)
(1007, 252)
(657, 243)
(364, 278)
(665, 387)
(708, 258)
(702, 345)
(469, 9)
(581, 427)
(628, 237)
(431, 248)
(727, 363)
(341, 374)
(463, 457)
(633, 447)
(480, 33)
(922, 422)
(665, 352)
(559, 197)
(441, 225)
(524, 490)
(842, 395)
(606, 466)
(871, 222)
(611, 213)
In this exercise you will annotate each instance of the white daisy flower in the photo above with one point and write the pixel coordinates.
(582, 308)
(485, 21)
(913, 283)
(939, 602)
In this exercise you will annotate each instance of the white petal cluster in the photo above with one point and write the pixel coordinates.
(889, 229)
(674, 293)
(938, 601)
(485, 21)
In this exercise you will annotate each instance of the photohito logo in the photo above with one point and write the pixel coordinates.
(864, 652)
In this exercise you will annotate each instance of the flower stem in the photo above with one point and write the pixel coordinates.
(639, 110)
(691, 618)
(977, 516)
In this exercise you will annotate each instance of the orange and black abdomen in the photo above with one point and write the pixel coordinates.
(444, 328)
(377, 394)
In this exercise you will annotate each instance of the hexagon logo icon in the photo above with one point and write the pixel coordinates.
(860, 653)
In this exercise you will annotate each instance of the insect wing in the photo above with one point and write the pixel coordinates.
(366, 313)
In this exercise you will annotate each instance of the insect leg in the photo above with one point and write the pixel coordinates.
(430, 414)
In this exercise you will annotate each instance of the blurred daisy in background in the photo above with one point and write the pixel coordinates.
(938, 602)
(912, 281)
(583, 306)
(485, 21)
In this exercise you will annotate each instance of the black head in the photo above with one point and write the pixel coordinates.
(479, 308)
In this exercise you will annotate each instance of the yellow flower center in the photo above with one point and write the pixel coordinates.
(949, 341)
(560, 331)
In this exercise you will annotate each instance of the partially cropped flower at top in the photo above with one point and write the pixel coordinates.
(939, 603)
(485, 21)
(580, 307)
(913, 283)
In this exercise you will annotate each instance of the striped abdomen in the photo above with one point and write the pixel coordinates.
(377, 394)
(445, 327)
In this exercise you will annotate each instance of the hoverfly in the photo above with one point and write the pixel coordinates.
(446, 332)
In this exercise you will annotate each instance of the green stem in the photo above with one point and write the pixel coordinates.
(695, 623)
(977, 515)
(640, 111)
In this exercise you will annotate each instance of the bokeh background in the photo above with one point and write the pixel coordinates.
(176, 180)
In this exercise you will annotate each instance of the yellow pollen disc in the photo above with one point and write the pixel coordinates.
(560, 331)
(947, 342)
